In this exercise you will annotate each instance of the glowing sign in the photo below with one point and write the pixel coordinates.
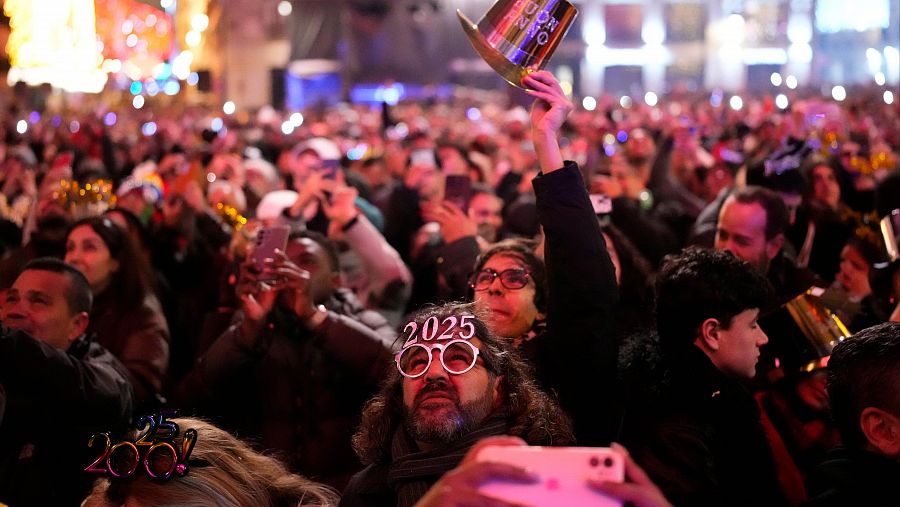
(54, 41)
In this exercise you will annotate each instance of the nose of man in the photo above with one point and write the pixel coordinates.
(436, 369)
(763, 338)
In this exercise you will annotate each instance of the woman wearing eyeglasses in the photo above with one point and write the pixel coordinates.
(558, 317)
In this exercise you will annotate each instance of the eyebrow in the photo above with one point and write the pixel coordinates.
(31, 293)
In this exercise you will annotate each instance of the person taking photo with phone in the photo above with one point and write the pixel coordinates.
(298, 362)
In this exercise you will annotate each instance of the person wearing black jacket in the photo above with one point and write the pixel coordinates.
(59, 387)
(696, 429)
(559, 317)
(299, 361)
(864, 389)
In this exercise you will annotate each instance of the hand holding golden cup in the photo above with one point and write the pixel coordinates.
(517, 37)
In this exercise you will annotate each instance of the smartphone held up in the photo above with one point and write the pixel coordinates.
(268, 239)
(563, 474)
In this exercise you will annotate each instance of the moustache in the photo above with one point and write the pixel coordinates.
(439, 386)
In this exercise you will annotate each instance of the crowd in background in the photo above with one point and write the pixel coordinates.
(160, 211)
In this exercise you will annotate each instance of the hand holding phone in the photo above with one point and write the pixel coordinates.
(268, 239)
(458, 190)
(563, 475)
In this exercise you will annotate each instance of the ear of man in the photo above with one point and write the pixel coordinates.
(774, 245)
(882, 430)
(708, 339)
(79, 326)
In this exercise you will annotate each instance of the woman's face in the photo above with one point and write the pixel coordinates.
(86, 251)
(825, 186)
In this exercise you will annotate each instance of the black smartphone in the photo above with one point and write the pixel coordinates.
(458, 190)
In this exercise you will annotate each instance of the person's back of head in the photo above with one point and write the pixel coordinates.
(223, 471)
(864, 389)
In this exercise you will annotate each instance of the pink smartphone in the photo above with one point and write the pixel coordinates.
(267, 240)
(563, 473)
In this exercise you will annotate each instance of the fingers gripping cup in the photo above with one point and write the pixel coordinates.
(516, 37)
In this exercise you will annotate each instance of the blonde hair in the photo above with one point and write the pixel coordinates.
(228, 473)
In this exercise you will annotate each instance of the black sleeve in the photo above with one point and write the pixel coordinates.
(455, 262)
(93, 386)
(580, 354)
(402, 219)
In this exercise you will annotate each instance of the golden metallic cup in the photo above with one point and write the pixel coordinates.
(822, 328)
(517, 37)
(890, 231)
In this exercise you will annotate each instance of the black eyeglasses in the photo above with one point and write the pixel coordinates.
(512, 279)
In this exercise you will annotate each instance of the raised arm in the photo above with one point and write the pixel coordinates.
(581, 350)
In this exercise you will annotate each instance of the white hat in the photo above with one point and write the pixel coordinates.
(273, 204)
(326, 148)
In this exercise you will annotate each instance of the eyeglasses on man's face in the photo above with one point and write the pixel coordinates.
(512, 279)
(457, 357)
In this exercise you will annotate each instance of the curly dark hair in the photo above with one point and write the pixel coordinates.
(531, 413)
(523, 251)
(862, 372)
(699, 284)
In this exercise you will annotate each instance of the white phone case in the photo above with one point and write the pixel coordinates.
(563, 473)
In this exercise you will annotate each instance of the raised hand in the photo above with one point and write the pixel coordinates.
(454, 223)
(637, 490)
(341, 210)
(552, 107)
(548, 113)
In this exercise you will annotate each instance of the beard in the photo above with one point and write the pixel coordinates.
(448, 422)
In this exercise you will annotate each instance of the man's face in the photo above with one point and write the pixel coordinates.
(742, 231)
(306, 163)
(485, 211)
(440, 407)
(310, 256)
(739, 345)
(510, 312)
(36, 304)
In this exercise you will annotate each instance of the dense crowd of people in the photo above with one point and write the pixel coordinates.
(718, 290)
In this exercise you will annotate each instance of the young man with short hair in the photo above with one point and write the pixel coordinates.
(700, 437)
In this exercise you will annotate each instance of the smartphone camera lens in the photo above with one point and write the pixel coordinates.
(595, 461)
(608, 462)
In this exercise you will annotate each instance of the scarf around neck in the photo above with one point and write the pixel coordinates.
(412, 472)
